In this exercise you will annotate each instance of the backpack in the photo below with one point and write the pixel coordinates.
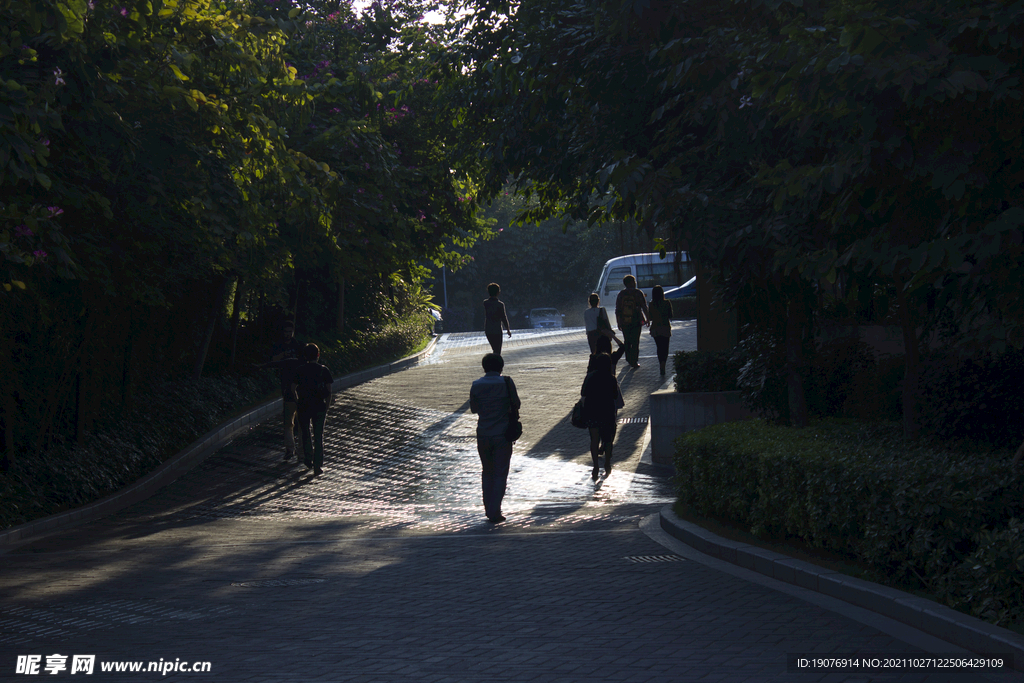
(627, 308)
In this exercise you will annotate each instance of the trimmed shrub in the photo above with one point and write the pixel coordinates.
(920, 516)
(706, 371)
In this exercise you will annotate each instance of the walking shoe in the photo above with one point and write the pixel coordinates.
(308, 464)
(318, 471)
(495, 520)
(288, 453)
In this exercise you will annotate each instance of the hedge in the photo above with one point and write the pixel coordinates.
(950, 522)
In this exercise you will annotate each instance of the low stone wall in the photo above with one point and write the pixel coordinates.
(674, 413)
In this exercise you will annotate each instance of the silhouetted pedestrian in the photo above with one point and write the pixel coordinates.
(631, 313)
(604, 345)
(495, 318)
(492, 398)
(661, 324)
(312, 384)
(600, 392)
(595, 319)
(286, 355)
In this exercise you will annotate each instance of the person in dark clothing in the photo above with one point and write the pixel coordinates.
(661, 324)
(632, 314)
(492, 398)
(600, 391)
(312, 384)
(495, 318)
(604, 345)
(286, 355)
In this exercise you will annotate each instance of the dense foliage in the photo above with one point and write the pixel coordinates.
(945, 520)
(858, 159)
(177, 177)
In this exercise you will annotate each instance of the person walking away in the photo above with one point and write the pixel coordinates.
(631, 313)
(492, 398)
(661, 324)
(312, 383)
(495, 318)
(600, 391)
(604, 345)
(595, 319)
(286, 355)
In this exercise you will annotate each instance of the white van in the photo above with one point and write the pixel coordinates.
(648, 269)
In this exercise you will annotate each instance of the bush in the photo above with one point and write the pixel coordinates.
(920, 516)
(168, 418)
(761, 378)
(706, 371)
(842, 378)
(973, 399)
(684, 308)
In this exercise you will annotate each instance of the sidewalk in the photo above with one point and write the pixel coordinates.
(384, 569)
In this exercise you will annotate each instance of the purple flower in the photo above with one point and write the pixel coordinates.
(124, 11)
(367, 166)
(54, 211)
(23, 231)
(39, 254)
(360, 190)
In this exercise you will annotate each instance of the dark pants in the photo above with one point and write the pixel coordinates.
(312, 426)
(662, 344)
(494, 338)
(631, 338)
(496, 458)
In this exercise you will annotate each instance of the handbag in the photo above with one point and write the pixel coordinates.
(577, 414)
(515, 427)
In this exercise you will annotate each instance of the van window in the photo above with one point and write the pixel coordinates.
(664, 274)
(615, 276)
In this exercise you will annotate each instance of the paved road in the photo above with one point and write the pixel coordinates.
(384, 568)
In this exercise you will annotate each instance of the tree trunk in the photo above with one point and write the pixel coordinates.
(236, 315)
(912, 365)
(211, 324)
(127, 393)
(10, 410)
(7, 462)
(80, 407)
(341, 306)
(296, 299)
(794, 363)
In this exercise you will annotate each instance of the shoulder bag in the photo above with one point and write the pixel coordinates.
(515, 427)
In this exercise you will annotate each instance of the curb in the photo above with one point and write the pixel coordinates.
(186, 459)
(925, 615)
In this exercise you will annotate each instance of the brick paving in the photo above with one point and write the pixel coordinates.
(383, 569)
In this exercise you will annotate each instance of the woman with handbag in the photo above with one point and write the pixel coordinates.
(595, 319)
(601, 398)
